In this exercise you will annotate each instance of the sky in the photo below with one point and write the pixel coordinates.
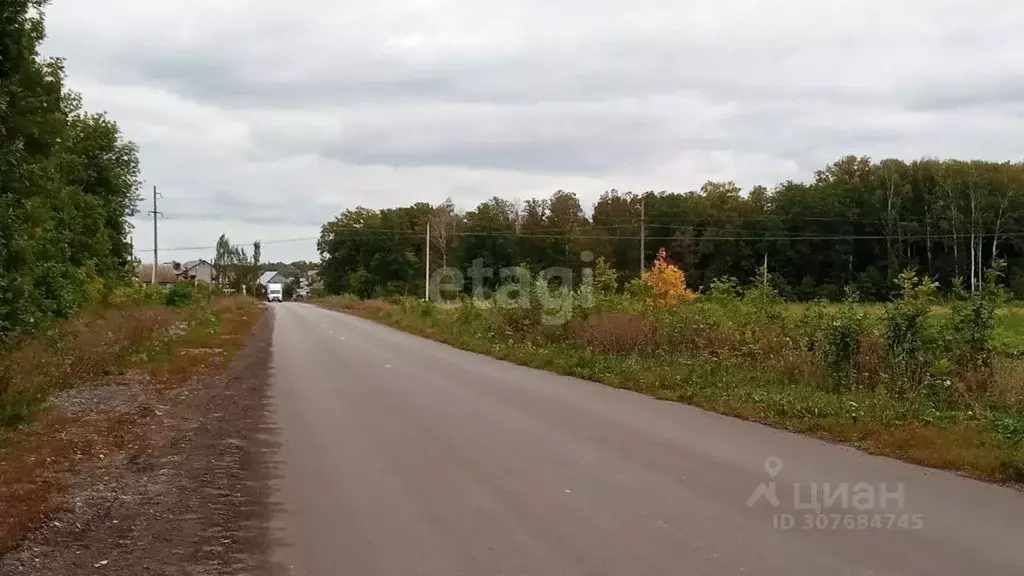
(264, 119)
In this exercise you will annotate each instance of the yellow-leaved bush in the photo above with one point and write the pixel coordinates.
(667, 282)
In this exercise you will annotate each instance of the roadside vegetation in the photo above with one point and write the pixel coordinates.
(870, 304)
(84, 390)
(134, 324)
(939, 382)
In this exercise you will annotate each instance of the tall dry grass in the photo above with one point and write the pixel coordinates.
(74, 352)
(617, 333)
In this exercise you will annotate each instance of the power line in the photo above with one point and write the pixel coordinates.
(262, 242)
(568, 234)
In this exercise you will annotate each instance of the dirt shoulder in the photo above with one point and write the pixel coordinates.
(160, 472)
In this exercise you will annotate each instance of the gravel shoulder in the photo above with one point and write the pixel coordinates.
(156, 477)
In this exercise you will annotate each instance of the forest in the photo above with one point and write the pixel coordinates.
(856, 223)
(69, 183)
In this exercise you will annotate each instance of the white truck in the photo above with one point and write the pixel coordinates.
(275, 292)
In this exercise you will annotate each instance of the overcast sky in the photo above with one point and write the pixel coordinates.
(264, 119)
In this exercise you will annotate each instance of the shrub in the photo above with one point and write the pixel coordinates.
(617, 333)
(904, 330)
(971, 327)
(840, 340)
(764, 302)
(605, 278)
(421, 308)
(724, 289)
(666, 282)
(970, 330)
(517, 322)
(637, 289)
(179, 295)
(810, 326)
(137, 293)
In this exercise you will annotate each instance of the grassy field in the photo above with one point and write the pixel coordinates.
(935, 393)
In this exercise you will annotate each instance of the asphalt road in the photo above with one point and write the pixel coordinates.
(401, 456)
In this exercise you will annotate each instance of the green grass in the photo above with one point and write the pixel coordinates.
(1009, 336)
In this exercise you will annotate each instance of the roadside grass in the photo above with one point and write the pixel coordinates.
(87, 347)
(154, 345)
(765, 364)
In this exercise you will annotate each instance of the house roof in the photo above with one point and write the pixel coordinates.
(268, 277)
(164, 273)
(192, 264)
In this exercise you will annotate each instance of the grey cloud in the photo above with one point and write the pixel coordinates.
(279, 115)
(593, 71)
(1003, 91)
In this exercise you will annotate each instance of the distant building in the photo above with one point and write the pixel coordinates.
(196, 271)
(273, 277)
(165, 274)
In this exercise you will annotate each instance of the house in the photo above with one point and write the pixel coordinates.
(165, 274)
(272, 277)
(308, 279)
(195, 270)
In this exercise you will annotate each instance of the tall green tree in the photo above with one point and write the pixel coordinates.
(68, 184)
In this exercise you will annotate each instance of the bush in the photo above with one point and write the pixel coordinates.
(724, 289)
(904, 332)
(421, 308)
(605, 278)
(842, 330)
(617, 333)
(637, 289)
(137, 293)
(666, 282)
(972, 325)
(179, 295)
(970, 330)
(764, 302)
(517, 322)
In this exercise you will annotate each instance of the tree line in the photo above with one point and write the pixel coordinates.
(69, 182)
(857, 223)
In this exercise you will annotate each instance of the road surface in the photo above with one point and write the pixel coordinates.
(400, 456)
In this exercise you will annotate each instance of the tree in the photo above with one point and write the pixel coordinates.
(856, 222)
(442, 230)
(68, 184)
(490, 237)
(666, 282)
(233, 266)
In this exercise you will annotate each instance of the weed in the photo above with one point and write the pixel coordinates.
(840, 338)
(1008, 425)
(617, 333)
(85, 348)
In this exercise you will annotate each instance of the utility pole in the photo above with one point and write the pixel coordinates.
(426, 282)
(766, 268)
(643, 234)
(156, 255)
